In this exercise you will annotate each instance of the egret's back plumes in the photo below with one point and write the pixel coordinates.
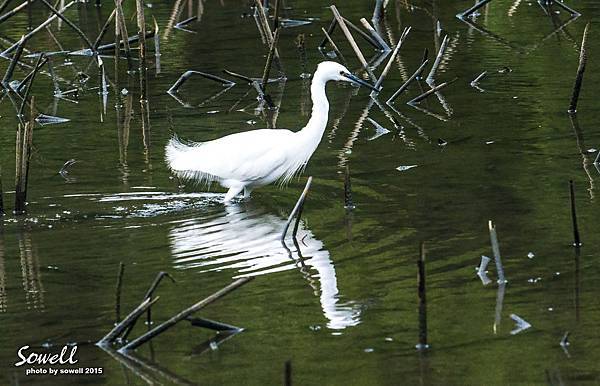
(182, 156)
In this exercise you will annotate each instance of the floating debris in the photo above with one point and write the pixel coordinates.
(481, 270)
(530, 255)
(476, 81)
(290, 23)
(521, 324)
(64, 170)
(403, 168)
(44, 119)
(441, 142)
(379, 130)
(564, 343)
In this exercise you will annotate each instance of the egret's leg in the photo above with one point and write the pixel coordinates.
(247, 192)
(232, 192)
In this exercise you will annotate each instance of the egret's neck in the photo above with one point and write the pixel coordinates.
(315, 127)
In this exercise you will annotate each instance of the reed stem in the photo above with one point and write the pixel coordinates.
(496, 250)
(580, 71)
(352, 42)
(407, 83)
(429, 92)
(130, 318)
(287, 377)
(471, 10)
(576, 237)
(296, 211)
(104, 29)
(1, 199)
(438, 59)
(141, 23)
(118, 289)
(269, 63)
(37, 29)
(69, 23)
(13, 62)
(388, 65)
(334, 46)
(422, 293)
(382, 43)
(12, 12)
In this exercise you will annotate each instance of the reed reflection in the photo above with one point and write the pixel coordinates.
(30, 270)
(3, 297)
(247, 240)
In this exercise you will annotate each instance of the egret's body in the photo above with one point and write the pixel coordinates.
(247, 160)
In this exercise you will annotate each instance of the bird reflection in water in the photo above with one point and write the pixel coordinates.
(247, 240)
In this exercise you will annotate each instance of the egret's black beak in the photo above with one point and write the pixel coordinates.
(357, 80)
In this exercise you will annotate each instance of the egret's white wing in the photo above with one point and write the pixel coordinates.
(244, 157)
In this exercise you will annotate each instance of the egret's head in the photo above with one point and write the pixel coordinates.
(335, 71)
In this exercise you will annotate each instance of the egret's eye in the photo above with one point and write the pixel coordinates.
(341, 72)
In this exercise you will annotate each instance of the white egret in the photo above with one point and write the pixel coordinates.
(244, 161)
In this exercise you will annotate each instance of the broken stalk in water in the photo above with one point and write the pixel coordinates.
(422, 292)
(496, 250)
(13, 62)
(148, 295)
(104, 29)
(287, 373)
(362, 33)
(132, 317)
(352, 42)
(186, 75)
(472, 10)
(580, 71)
(1, 199)
(387, 67)
(118, 289)
(37, 29)
(329, 32)
(334, 46)
(429, 92)
(296, 211)
(476, 81)
(141, 23)
(431, 77)
(576, 237)
(23, 156)
(382, 43)
(269, 63)
(407, 83)
(12, 12)
(69, 23)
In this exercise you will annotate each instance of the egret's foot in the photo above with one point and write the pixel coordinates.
(232, 192)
